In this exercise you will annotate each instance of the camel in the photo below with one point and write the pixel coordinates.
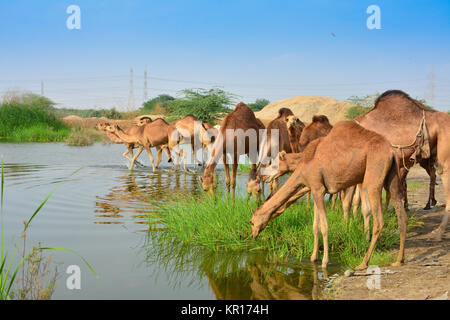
(200, 137)
(415, 132)
(244, 139)
(295, 127)
(157, 134)
(319, 127)
(348, 155)
(289, 129)
(130, 146)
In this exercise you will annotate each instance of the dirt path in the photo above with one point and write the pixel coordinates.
(425, 274)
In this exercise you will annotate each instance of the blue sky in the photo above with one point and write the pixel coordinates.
(256, 49)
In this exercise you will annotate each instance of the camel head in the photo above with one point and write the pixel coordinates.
(143, 121)
(259, 222)
(254, 188)
(101, 126)
(208, 136)
(208, 182)
(294, 122)
(112, 128)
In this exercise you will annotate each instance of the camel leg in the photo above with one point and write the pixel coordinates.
(308, 199)
(402, 219)
(347, 201)
(158, 156)
(166, 150)
(437, 233)
(316, 225)
(356, 200)
(403, 173)
(128, 151)
(133, 160)
(227, 172)
(378, 223)
(333, 200)
(321, 214)
(432, 173)
(365, 208)
(388, 199)
(181, 155)
(150, 156)
(233, 179)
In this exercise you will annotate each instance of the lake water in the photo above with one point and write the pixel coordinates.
(101, 213)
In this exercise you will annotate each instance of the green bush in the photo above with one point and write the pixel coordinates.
(259, 104)
(158, 105)
(37, 122)
(207, 105)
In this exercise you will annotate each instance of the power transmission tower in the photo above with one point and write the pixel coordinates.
(131, 94)
(145, 86)
(42, 87)
(431, 85)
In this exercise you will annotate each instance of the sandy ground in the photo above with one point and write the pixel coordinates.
(425, 275)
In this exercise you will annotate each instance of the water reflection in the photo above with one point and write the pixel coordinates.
(235, 275)
(141, 194)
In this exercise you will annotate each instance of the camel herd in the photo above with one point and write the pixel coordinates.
(355, 159)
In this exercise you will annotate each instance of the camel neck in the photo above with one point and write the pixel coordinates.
(125, 137)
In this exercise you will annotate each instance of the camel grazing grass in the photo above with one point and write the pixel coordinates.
(222, 225)
(416, 133)
(348, 155)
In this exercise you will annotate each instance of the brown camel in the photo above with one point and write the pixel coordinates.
(238, 135)
(415, 132)
(289, 129)
(319, 127)
(157, 134)
(130, 146)
(348, 155)
(295, 127)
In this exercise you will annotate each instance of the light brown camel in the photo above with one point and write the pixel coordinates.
(348, 155)
(198, 134)
(414, 132)
(288, 128)
(155, 134)
(238, 135)
(295, 127)
(128, 154)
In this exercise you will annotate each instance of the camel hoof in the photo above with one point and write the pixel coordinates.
(324, 265)
(362, 266)
(427, 207)
(313, 258)
(397, 264)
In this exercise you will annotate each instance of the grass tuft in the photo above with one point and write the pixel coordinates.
(224, 226)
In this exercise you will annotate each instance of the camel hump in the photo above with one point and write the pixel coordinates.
(146, 118)
(241, 105)
(390, 93)
(320, 118)
(284, 112)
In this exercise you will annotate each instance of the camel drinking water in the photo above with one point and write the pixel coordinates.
(348, 155)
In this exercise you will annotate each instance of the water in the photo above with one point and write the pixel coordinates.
(101, 212)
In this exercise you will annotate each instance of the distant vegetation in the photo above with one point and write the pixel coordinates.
(362, 105)
(259, 104)
(158, 105)
(30, 118)
(89, 113)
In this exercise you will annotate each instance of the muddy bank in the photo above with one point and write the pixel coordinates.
(425, 275)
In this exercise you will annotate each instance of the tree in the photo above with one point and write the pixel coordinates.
(159, 104)
(259, 104)
(205, 104)
(362, 105)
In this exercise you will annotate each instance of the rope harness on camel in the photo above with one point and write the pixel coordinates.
(422, 148)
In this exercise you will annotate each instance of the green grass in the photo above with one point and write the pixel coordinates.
(225, 226)
(83, 137)
(20, 122)
(415, 185)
